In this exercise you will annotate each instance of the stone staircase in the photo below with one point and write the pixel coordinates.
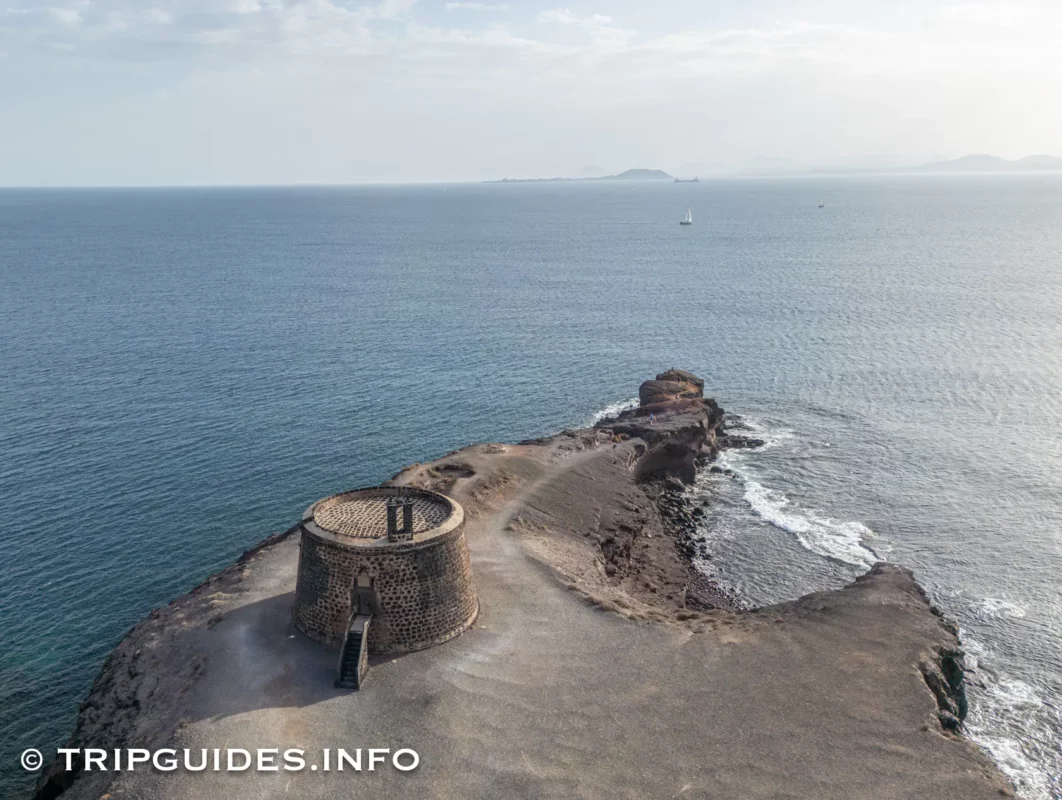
(354, 655)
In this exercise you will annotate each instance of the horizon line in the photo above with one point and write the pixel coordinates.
(903, 173)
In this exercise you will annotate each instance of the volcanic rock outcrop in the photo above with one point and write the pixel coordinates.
(678, 424)
(675, 384)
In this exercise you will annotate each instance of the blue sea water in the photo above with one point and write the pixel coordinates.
(183, 371)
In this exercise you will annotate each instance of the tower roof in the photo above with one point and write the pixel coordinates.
(360, 516)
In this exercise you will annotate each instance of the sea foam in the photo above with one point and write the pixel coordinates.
(995, 608)
(611, 410)
(1010, 704)
(838, 540)
(830, 538)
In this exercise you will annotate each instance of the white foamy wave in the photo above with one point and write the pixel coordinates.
(611, 410)
(772, 435)
(1010, 705)
(841, 541)
(973, 649)
(1006, 717)
(994, 607)
(827, 537)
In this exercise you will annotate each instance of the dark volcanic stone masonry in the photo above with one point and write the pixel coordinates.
(424, 584)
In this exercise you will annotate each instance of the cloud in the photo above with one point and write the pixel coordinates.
(564, 16)
(389, 9)
(605, 36)
(246, 6)
(466, 6)
(304, 77)
(1009, 14)
(268, 32)
(186, 29)
(66, 16)
(159, 16)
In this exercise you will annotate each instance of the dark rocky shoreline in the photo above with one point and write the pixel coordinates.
(684, 432)
(692, 431)
(606, 509)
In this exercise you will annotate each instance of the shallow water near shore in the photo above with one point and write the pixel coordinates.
(186, 370)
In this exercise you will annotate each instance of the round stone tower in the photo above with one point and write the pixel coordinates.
(397, 553)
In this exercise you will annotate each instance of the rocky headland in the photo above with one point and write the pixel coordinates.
(602, 664)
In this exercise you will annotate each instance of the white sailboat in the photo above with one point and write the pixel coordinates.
(822, 203)
(688, 219)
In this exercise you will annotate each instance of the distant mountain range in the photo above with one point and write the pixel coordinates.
(628, 175)
(969, 165)
(985, 163)
(768, 167)
(639, 175)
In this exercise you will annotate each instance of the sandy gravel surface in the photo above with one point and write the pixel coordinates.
(552, 695)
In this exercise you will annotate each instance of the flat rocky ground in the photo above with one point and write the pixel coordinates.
(572, 683)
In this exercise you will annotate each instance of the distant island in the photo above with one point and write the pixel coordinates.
(628, 175)
(771, 167)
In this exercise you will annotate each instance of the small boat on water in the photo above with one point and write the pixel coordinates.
(822, 203)
(688, 219)
(687, 180)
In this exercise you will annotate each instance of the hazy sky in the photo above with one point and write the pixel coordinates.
(287, 91)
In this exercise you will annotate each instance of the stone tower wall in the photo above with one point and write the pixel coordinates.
(425, 589)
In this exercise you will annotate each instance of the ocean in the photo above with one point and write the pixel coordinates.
(185, 370)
